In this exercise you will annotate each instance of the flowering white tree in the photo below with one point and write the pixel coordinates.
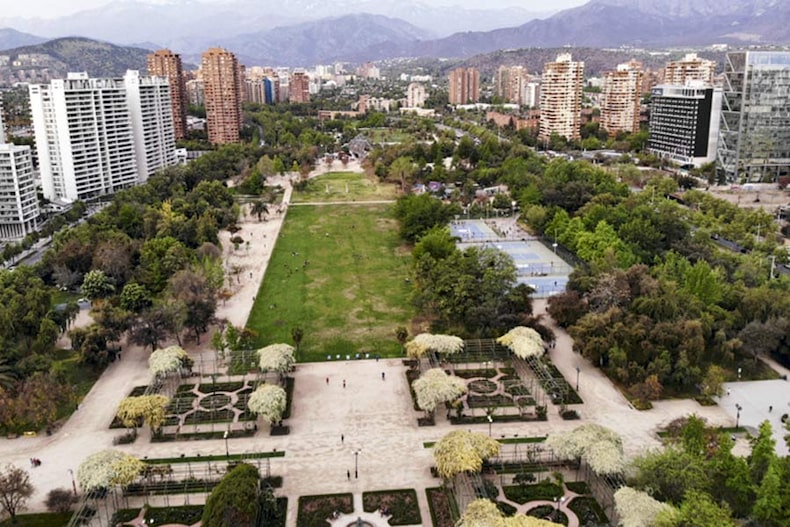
(462, 451)
(276, 357)
(108, 468)
(435, 387)
(268, 401)
(425, 342)
(524, 342)
(599, 446)
(484, 513)
(151, 408)
(636, 508)
(167, 360)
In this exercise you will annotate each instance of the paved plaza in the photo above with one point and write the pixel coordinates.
(369, 425)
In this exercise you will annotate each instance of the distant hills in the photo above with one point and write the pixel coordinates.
(326, 40)
(11, 38)
(363, 36)
(55, 58)
(192, 25)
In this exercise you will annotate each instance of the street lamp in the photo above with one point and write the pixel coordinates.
(738, 415)
(490, 420)
(356, 463)
(578, 370)
(73, 483)
(225, 437)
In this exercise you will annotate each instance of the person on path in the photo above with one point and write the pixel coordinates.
(348, 475)
(327, 380)
(344, 383)
(382, 376)
(342, 438)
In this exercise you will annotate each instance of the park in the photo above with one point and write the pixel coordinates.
(352, 440)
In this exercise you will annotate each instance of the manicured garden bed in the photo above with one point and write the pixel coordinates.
(443, 508)
(526, 493)
(589, 511)
(313, 511)
(401, 504)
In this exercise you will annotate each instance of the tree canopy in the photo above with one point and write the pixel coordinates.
(269, 402)
(435, 387)
(235, 501)
(462, 451)
(107, 468)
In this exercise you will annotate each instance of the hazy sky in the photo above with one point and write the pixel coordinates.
(56, 8)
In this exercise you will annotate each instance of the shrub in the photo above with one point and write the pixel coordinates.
(60, 500)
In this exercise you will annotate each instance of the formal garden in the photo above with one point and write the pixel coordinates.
(486, 380)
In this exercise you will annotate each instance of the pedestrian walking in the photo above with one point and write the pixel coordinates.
(382, 376)
(344, 383)
(348, 475)
(342, 438)
(729, 391)
(327, 381)
(770, 409)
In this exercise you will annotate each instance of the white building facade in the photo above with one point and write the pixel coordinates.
(98, 136)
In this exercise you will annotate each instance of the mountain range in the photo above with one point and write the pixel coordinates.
(363, 36)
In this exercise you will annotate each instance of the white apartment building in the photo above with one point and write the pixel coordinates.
(152, 122)
(18, 202)
(416, 95)
(98, 136)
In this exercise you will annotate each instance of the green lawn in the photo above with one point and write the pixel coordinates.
(350, 296)
(386, 135)
(344, 186)
(39, 520)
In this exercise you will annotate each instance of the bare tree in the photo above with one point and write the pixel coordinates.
(15, 490)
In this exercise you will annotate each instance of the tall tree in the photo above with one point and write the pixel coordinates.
(235, 501)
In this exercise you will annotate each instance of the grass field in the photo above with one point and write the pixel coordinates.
(39, 520)
(386, 135)
(338, 272)
(344, 186)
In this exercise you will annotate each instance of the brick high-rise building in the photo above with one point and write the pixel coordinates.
(622, 94)
(299, 89)
(165, 63)
(464, 85)
(561, 98)
(511, 81)
(222, 93)
(689, 68)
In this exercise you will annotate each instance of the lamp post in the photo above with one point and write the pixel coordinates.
(578, 370)
(356, 463)
(73, 483)
(490, 420)
(738, 407)
(225, 437)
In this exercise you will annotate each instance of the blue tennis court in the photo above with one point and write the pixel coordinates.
(472, 230)
(536, 265)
